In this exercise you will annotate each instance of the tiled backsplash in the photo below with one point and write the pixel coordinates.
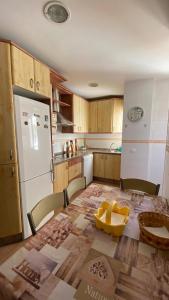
(59, 139)
(90, 140)
(103, 140)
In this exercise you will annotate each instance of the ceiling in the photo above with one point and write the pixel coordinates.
(104, 41)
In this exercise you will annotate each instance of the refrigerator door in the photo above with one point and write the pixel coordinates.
(33, 137)
(32, 191)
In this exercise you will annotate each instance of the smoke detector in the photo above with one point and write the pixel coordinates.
(56, 12)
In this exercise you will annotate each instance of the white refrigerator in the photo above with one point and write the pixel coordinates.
(33, 132)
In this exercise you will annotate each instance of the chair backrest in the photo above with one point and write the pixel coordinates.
(43, 208)
(139, 185)
(73, 187)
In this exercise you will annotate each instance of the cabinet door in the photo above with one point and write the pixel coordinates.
(86, 116)
(93, 109)
(98, 165)
(117, 115)
(105, 116)
(75, 171)
(112, 166)
(22, 69)
(10, 214)
(60, 177)
(7, 126)
(42, 79)
(76, 113)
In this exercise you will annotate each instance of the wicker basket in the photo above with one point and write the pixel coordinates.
(153, 219)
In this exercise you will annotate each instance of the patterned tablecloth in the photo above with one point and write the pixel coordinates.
(70, 259)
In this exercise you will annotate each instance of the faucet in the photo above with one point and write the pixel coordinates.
(111, 147)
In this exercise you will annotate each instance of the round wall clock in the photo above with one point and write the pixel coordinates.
(135, 113)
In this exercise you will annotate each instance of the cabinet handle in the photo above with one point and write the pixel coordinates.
(31, 83)
(11, 154)
(38, 85)
(12, 171)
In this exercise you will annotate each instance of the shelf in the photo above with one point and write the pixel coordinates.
(61, 103)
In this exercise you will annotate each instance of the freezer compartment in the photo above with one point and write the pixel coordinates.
(32, 191)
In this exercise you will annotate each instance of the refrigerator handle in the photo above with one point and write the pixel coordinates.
(52, 170)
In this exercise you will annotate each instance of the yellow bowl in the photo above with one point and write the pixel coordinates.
(112, 218)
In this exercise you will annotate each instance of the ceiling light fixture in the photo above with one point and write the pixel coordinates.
(56, 12)
(93, 84)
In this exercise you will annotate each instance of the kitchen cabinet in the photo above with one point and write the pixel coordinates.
(29, 73)
(75, 168)
(60, 177)
(112, 166)
(42, 79)
(117, 115)
(107, 166)
(7, 127)
(10, 217)
(22, 69)
(106, 116)
(93, 119)
(98, 165)
(80, 114)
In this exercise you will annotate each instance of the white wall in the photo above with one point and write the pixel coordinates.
(158, 130)
(135, 155)
(144, 141)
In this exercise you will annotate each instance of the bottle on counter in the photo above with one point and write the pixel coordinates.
(71, 146)
(67, 148)
(76, 145)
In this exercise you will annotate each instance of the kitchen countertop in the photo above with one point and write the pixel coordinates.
(60, 158)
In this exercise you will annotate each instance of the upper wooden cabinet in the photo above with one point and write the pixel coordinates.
(106, 116)
(29, 73)
(22, 69)
(93, 116)
(42, 79)
(80, 114)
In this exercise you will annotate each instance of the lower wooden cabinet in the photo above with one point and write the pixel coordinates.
(107, 166)
(10, 213)
(112, 166)
(75, 168)
(60, 177)
(98, 165)
(65, 172)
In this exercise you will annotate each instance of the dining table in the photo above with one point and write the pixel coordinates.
(69, 258)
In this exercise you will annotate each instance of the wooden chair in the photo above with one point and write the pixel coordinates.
(43, 208)
(73, 187)
(139, 185)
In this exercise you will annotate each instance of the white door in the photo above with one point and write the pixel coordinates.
(32, 191)
(33, 137)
